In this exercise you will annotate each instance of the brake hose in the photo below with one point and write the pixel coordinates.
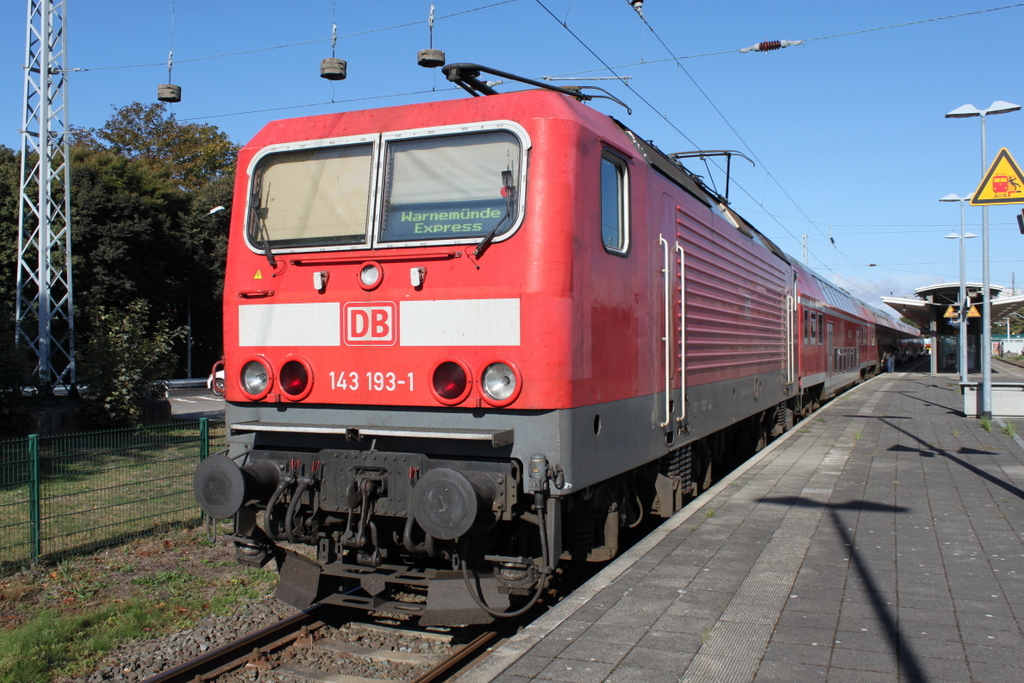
(541, 583)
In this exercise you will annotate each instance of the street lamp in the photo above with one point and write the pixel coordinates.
(962, 355)
(967, 111)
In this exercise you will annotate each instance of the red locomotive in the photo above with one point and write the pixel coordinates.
(469, 339)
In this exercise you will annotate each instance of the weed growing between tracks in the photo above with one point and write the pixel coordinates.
(58, 621)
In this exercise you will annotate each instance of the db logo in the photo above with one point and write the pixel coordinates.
(370, 324)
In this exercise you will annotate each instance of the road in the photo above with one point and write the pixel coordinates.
(195, 403)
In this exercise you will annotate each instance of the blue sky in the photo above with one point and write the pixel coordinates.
(847, 130)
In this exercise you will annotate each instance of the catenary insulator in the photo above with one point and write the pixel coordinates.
(167, 92)
(430, 59)
(769, 45)
(333, 69)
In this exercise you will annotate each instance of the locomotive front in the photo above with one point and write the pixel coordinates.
(378, 379)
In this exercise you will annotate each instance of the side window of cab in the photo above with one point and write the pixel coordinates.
(614, 204)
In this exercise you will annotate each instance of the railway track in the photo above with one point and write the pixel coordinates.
(322, 645)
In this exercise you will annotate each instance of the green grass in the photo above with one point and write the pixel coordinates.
(986, 424)
(1009, 430)
(96, 495)
(53, 645)
(50, 645)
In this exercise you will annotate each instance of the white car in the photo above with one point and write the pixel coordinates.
(215, 382)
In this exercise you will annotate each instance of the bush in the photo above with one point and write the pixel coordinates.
(121, 362)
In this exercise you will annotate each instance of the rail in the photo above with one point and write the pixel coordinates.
(238, 652)
(269, 649)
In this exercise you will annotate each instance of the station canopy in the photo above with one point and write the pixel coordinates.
(933, 301)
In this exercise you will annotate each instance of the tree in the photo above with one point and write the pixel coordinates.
(123, 220)
(143, 189)
(195, 154)
(10, 180)
(145, 249)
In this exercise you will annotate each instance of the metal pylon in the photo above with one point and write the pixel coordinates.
(44, 315)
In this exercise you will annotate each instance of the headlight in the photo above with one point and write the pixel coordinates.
(255, 379)
(370, 275)
(500, 383)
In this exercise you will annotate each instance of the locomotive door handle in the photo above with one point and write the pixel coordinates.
(789, 337)
(667, 338)
(682, 332)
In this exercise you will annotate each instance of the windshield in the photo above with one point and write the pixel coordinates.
(451, 187)
(312, 197)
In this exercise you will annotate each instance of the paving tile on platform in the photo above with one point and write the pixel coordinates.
(633, 674)
(663, 660)
(571, 671)
(789, 672)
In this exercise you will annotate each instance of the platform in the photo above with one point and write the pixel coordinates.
(879, 540)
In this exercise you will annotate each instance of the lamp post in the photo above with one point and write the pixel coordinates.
(967, 111)
(962, 355)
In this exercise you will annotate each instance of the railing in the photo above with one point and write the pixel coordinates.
(74, 493)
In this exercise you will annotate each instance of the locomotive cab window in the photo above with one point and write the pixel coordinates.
(311, 197)
(451, 187)
(614, 204)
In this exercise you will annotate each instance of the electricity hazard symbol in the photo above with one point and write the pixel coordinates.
(951, 313)
(973, 312)
(1003, 183)
(258, 275)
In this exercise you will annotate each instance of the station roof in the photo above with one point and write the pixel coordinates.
(933, 301)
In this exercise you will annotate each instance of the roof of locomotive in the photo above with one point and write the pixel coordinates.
(521, 105)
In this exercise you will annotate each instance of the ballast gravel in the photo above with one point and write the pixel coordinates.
(136, 662)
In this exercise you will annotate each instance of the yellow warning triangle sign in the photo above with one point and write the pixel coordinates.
(950, 313)
(973, 313)
(1003, 183)
(258, 276)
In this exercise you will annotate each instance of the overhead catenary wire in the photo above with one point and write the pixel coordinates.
(612, 70)
(301, 43)
(505, 2)
(648, 62)
(315, 104)
(638, 7)
(664, 117)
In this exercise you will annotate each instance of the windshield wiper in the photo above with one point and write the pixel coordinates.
(265, 238)
(258, 215)
(510, 190)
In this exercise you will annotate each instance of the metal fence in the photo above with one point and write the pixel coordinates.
(74, 493)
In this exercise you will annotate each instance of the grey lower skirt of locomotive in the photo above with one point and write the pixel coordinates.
(376, 524)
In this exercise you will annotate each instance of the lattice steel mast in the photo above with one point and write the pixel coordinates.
(44, 315)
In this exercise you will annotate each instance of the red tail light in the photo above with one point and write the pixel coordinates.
(450, 382)
(294, 379)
